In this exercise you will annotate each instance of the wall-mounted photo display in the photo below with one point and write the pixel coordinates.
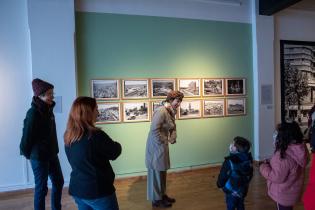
(235, 86)
(161, 87)
(136, 111)
(135, 88)
(213, 108)
(109, 112)
(213, 87)
(105, 89)
(189, 87)
(235, 106)
(190, 109)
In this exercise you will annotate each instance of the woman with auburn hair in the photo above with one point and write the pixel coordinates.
(162, 132)
(89, 150)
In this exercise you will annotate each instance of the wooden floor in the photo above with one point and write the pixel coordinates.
(194, 190)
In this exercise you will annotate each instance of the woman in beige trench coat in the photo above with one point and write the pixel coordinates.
(162, 132)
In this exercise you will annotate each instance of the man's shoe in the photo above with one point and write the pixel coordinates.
(161, 204)
(168, 199)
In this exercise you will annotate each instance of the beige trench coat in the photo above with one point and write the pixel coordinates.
(162, 132)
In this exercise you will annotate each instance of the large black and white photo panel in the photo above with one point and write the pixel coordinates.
(214, 107)
(135, 88)
(105, 89)
(235, 86)
(190, 109)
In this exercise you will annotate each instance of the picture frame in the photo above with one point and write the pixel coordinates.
(235, 86)
(105, 89)
(155, 105)
(161, 87)
(190, 109)
(135, 88)
(235, 106)
(138, 111)
(189, 87)
(109, 112)
(297, 86)
(214, 107)
(213, 87)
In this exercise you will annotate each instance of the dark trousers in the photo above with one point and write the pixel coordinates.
(103, 203)
(280, 207)
(233, 202)
(41, 170)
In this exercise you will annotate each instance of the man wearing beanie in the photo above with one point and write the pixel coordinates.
(39, 144)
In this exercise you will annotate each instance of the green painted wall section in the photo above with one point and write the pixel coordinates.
(125, 46)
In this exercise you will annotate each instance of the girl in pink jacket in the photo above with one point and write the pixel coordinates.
(285, 170)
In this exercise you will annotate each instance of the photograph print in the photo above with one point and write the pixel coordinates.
(136, 111)
(235, 86)
(235, 106)
(161, 87)
(105, 89)
(190, 109)
(213, 108)
(135, 88)
(108, 113)
(297, 80)
(213, 87)
(189, 87)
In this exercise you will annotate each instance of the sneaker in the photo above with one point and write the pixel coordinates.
(168, 199)
(161, 204)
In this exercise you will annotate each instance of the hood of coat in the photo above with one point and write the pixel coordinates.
(298, 153)
(243, 160)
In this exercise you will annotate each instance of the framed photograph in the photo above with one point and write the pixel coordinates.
(136, 111)
(190, 109)
(161, 87)
(105, 89)
(235, 106)
(189, 87)
(109, 112)
(135, 88)
(235, 86)
(297, 80)
(213, 108)
(155, 105)
(213, 87)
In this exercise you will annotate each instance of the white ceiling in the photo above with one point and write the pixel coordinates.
(306, 5)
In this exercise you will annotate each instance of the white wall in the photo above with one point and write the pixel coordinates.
(294, 25)
(221, 10)
(15, 89)
(37, 40)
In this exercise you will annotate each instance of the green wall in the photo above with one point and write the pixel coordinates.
(125, 46)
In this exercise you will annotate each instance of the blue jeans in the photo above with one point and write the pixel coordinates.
(103, 203)
(233, 202)
(41, 170)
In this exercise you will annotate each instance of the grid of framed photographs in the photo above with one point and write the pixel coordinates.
(136, 99)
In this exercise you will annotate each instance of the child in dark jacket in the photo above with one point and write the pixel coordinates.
(236, 173)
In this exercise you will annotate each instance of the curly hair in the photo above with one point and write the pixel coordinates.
(288, 133)
(174, 94)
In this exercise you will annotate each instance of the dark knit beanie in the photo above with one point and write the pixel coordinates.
(40, 86)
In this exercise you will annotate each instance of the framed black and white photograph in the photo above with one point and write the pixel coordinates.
(109, 112)
(135, 88)
(213, 87)
(213, 108)
(136, 111)
(235, 106)
(189, 87)
(155, 105)
(105, 89)
(297, 80)
(235, 86)
(190, 109)
(161, 87)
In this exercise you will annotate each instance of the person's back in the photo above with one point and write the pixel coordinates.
(236, 173)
